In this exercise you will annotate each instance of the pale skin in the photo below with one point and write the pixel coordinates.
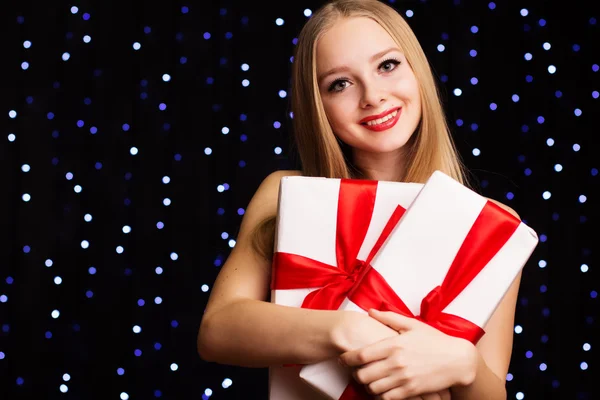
(418, 363)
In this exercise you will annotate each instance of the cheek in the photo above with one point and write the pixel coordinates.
(338, 112)
(407, 88)
(415, 92)
(417, 99)
(410, 93)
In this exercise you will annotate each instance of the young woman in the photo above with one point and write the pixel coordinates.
(365, 106)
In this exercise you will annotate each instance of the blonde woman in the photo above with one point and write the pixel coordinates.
(365, 106)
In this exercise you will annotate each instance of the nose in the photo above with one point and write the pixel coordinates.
(373, 95)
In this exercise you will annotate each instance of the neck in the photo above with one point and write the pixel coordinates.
(381, 167)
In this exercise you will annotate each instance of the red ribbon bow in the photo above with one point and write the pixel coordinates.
(355, 209)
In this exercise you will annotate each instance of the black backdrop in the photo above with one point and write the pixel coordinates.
(118, 214)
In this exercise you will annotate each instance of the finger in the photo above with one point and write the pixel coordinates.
(397, 322)
(411, 398)
(445, 394)
(405, 392)
(371, 353)
(431, 396)
(442, 395)
(382, 385)
(369, 373)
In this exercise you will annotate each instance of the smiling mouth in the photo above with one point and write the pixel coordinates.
(381, 120)
(384, 123)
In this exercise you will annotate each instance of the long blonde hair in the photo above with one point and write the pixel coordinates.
(321, 153)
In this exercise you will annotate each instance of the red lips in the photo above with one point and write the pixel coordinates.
(383, 114)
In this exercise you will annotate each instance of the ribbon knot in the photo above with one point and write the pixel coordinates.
(431, 305)
(356, 270)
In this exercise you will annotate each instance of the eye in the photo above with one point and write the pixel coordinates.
(391, 63)
(336, 85)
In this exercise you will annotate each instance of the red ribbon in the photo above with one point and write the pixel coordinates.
(490, 232)
(355, 208)
(492, 229)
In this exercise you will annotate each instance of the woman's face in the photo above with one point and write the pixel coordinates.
(362, 74)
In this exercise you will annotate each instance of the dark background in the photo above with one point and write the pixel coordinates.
(173, 252)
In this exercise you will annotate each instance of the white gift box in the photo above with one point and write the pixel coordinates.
(418, 254)
(306, 226)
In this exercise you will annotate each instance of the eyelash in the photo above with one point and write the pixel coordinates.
(387, 61)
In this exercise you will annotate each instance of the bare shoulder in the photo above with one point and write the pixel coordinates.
(504, 206)
(245, 274)
(271, 182)
(264, 201)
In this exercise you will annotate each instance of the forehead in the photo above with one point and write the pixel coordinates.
(350, 41)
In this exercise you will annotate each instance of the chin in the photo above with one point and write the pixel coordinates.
(384, 149)
(384, 143)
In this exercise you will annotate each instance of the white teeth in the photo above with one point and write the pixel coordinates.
(382, 120)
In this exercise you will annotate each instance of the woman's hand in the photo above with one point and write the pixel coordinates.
(356, 330)
(419, 360)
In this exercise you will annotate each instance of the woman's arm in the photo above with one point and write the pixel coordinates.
(240, 327)
(254, 333)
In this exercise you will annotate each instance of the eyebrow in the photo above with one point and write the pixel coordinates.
(344, 68)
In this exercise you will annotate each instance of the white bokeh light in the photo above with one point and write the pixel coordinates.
(518, 329)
